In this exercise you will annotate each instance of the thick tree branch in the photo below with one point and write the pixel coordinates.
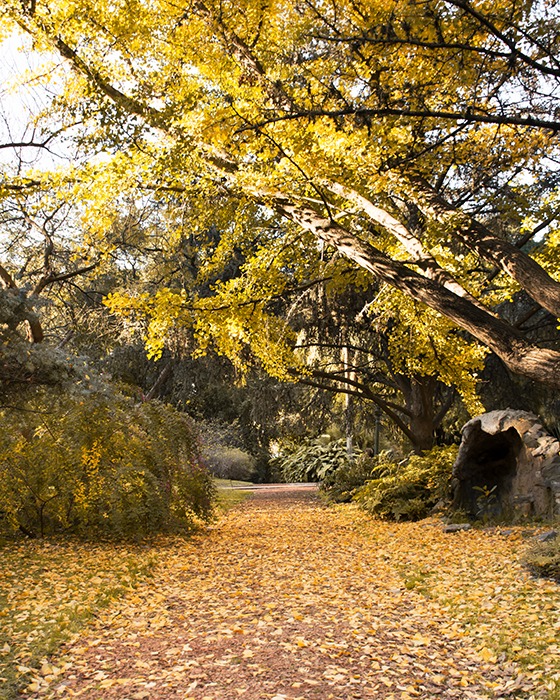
(519, 354)
(7, 278)
(53, 277)
(523, 240)
(163, 375)
(35, 331)
(127, 103)
(252, 67)
(445, 407)
(543, 288)
(421, 257)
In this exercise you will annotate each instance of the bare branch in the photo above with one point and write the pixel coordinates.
(469, 9)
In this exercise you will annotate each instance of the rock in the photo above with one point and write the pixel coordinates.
(508, 465)
(457, 527)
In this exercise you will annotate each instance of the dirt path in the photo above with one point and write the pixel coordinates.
(283, 600)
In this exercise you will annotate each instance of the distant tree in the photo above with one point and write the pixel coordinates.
(376, 356)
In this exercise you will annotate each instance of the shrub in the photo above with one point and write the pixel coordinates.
(341, 484)
(313, 461)
(229, 463)
(99, 464)
(409, 490)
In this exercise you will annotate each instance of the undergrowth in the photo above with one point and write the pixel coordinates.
(543, 559)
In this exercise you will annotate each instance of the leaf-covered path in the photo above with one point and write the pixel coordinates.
(284, 599)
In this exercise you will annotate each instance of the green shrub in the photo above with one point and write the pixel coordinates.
(408, 490)
(312, 461)
(229, 463)
(341, 484)
(543, 559)
(99, 464)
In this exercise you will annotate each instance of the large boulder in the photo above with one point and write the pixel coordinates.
(507, 465)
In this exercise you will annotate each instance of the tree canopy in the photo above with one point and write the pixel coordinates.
(408, 146)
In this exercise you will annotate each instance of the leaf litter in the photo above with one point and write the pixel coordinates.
(287, 599)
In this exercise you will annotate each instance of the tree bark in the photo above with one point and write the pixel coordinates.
(422, 413)
(420, 256)
(163, 375)
(35, 329)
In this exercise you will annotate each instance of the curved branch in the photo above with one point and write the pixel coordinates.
(370, 396)
(36, 333)
(129, 104)
(527, 237)
(534, 279)
(366, 391)
(421, 257)
(52, 277)
(251, 66)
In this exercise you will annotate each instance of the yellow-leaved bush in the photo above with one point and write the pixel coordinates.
(98, 464)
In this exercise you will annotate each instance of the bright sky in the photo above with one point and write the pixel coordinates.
(21, 99)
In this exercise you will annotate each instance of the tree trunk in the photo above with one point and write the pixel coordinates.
(419, 393)
(421, 257)
(518, 354)
(163, 375)
(35, 329)
(348, 402)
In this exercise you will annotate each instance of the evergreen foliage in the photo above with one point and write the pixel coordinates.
(312, 461)
(341, 484)
(408, 490)
(230, 463)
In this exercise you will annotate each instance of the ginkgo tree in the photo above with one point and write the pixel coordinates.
(380, 352)
(417, 142)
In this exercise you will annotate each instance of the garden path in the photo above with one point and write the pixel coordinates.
(284, 599)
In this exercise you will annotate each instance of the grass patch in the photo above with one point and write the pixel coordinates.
(418, 581)
(48, 592)
(229, 483)
(230, 493)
